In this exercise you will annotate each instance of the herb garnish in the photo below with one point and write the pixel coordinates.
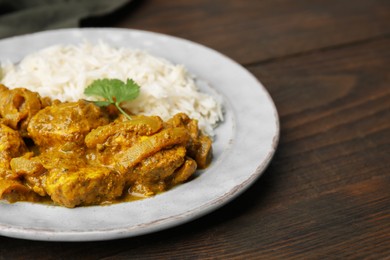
(114, 91)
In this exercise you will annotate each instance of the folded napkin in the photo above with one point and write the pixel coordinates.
(26, 16)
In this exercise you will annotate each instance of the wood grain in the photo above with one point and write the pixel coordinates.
(326, 193)
(253, 31)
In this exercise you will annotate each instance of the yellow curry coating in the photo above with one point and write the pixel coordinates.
(78, 154)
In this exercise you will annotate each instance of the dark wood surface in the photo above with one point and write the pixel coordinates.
(326, 193)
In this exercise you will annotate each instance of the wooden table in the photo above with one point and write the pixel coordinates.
(325, 195)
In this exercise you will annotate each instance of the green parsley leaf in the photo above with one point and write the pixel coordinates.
(113, 91)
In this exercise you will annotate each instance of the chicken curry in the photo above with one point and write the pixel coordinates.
(78, 154)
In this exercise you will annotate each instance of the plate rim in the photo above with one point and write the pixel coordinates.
(160, 224)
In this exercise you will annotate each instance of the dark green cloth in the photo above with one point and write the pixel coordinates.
(26, 16)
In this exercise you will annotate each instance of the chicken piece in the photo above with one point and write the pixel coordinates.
(117, 136)
(199, 146)
(18, 106)
(202, 151)
(184, 172)
(183, 120)
(85, 186)
(59, 125)
(14, 190)
(39, 173)
(71, 160)
(31, 170)
(35, 169)
(139, 125)
(27, 165)
(11, 145)
(149, 145)
(152, 174)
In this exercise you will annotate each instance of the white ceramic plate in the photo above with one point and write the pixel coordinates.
(244, 145)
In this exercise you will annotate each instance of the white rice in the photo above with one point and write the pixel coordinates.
(63, 72)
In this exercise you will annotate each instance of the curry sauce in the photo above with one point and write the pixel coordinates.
(77, 154)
